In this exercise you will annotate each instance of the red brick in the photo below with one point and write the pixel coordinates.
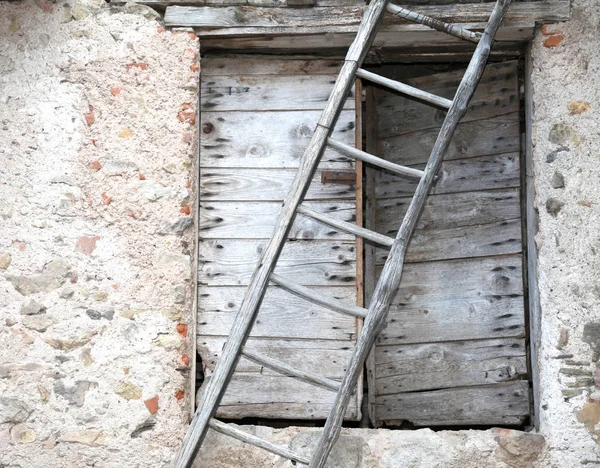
(185, 359)
(187, 137)
(185, 209)
(152, 404)
(95, 165)
(141, 176)
(160, 30)
(135, 214)
(553, 41)
(106, 199)
(192, 36)
(115, 91)
(86, 244)
(182, 329)
(45, 5)
(195, 67)
(179, 394)
(90, 118)
(139, 65)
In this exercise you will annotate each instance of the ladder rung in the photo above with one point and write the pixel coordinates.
(433, 23)
(326, 301)
(285, 369)
(369, 158)
(238, 434)
(348, 227)
(405, 89)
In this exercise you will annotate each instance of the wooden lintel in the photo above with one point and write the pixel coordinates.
(262, 19)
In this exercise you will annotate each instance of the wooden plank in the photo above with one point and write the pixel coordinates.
(336, 39)
(256, 391)
(282, 314)
(267, 92)
(465, 209)
(496, 95)
(469, 224)
(457, 300)
(497, 171)
(501, 404)
(494, 135)
(430, 366)
(263, 185)
(264, 19)
(270, 139)
(231, 262)
(243, 64)
(222, 220)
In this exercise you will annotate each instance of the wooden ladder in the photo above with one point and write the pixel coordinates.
(390, 277)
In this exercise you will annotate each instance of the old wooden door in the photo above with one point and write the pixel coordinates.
(453, 351)
(257, 117)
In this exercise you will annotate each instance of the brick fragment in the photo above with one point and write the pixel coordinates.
(182, 329)
(152, 404)
(86, 244)
(185, 209)
(90, 118)
(106, 199)
(553, 41)
(115, 90)
(179, 394)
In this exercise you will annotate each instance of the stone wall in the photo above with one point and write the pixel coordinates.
(97, 146)
(97, 143)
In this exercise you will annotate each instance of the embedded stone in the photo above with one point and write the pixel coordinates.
(591, 335)
(93, 314)
(557, 181)
(21, 434)
(67, 293)
(117, 168)
(128, 391)
(578, 107)
(86, 244)
(39, 323)
(172, 313)
(32, 308)
(179, 294)
(67, 344)
(89, 437)
(5, 260)
(348, 451)
(518, 449)
(13, 410)
(177, 227)
(143, 10)
(52, 277)
(169, 341)
(551, 157)
(553, 206)
(561, 134)
(74, 394)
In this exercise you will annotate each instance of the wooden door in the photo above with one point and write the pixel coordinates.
(453, 351)
(257, 117)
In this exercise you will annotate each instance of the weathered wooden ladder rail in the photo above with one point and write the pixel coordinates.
(392, 271)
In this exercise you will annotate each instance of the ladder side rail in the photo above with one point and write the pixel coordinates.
(392, 270)
(253, 297)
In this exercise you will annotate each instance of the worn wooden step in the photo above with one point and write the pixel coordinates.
(285, 369)
(348, 227)
(433, 23)
(312, 296)
(369, 158)
(243, 436)
(405, 89)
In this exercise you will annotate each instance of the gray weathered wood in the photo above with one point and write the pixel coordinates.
(231, 262)
(287, 370)
(259, 281)
(222, 220)
(501, 404)
(238, 434)
(267, 92)
(369, 158)
(271, 139)
(392, 271)
(273, 18)
(498, 171)
(317, 298)
(348, 227)
(282, 315)
(230, 184)
(434, 23)
(244, 64)
(531, 220)
(431, 366)
(404, 89)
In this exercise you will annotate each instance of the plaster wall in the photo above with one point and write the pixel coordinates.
(97, 145)
(97, 142)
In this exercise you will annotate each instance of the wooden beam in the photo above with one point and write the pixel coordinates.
(263, 19)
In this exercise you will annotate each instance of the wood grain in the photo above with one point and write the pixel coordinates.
(282, 315)
(449, 364)
(223, 220)
(500, 404)
(228, 184)
(270, 139)
(267, 92)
